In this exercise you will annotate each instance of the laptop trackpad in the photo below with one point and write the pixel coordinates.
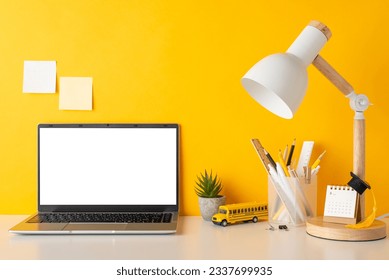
(78, 226)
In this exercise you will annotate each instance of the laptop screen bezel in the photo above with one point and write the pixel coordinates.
(112, 208)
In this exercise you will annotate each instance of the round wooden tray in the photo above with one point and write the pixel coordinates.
(318, 228)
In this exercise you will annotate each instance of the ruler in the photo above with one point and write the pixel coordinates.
(261, 153)
(305, 157)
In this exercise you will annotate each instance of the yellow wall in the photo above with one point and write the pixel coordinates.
(182, 61)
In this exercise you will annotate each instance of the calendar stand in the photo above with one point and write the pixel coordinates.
(319, 228)
(342, 205)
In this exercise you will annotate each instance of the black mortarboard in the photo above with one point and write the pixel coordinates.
(358, 184)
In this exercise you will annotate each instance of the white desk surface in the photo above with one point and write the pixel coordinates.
(194, 240)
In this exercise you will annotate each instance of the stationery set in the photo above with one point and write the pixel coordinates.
(292, 192)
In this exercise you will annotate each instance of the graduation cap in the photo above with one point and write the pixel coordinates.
(358, 184)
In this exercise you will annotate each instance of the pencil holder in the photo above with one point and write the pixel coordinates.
(291, 200)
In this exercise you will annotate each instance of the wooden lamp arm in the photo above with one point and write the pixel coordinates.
(331, 74)
(359, 104)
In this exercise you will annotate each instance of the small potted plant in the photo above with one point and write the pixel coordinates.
(208, 188)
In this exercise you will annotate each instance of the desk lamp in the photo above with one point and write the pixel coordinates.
(278, 82)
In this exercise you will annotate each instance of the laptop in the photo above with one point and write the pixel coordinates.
(106, 179)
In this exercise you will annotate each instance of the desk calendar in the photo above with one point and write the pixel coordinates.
(341, 205)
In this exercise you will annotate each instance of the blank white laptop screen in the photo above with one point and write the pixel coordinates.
(107, 166)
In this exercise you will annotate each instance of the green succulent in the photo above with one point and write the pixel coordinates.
(208, 185)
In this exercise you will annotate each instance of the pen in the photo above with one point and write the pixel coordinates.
(273, 174)
(288, 162)
(289, 192)
(303, 198)
(315, 170)
(316, 163)
(269, 157)
(281, 196)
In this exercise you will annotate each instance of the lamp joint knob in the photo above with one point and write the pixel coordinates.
(358, 102)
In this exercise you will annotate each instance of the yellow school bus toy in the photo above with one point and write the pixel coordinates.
(240, 212)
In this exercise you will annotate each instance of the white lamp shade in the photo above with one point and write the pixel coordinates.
(278, 82)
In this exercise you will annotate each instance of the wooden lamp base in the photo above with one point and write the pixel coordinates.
(318, 228)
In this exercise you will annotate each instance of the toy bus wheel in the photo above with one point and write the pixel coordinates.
(255, 219)
(224, 223)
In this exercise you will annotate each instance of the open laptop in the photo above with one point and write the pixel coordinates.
(106, 179)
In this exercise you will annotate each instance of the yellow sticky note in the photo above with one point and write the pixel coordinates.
(75, 93)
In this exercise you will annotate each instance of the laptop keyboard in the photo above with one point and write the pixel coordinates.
(101, 218)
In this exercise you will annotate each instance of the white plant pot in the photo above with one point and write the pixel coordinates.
(210, 206)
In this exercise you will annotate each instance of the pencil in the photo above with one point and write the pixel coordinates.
(270, 158)
(316, 163)
(282, 163)
(288, 162)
